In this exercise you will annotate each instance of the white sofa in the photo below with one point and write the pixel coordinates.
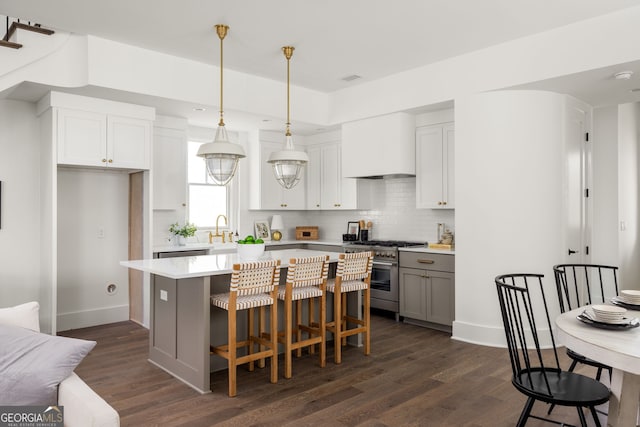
(82, 406)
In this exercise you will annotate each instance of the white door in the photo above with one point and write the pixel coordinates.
(577, 174)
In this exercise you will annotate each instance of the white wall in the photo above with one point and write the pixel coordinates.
(604, 190)
(509, 151)
(19, 205)
(628, 187)
(90, 201)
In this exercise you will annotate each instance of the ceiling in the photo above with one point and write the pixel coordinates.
(333, 38)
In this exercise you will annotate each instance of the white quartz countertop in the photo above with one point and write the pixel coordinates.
(211, 265)
(231, 247)
(426, 250)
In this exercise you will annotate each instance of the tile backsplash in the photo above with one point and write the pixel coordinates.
(395, 218)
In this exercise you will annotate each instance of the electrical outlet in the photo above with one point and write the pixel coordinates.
(100, 232)
(164, 296)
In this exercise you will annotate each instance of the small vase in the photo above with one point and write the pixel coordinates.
(182, 241)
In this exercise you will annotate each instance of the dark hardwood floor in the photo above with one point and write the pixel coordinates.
(414, 377)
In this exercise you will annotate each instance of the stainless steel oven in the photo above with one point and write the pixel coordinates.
(385, 275)
(384, 286)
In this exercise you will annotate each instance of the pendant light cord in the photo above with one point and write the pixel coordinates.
(288, 52)
(222, 32)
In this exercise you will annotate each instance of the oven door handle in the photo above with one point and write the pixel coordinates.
(389, 264)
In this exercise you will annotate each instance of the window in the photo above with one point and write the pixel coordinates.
(206, 200)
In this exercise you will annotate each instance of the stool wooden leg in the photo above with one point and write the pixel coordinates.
(261, 329)
(343, 318)
(287, 336)
(273, 322)
(298, 323)
(231, 334)
(367, 321)
(250, 323)
(311, 321)
(322, 326)
(337, 335)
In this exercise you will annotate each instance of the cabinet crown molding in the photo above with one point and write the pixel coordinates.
(96, 105)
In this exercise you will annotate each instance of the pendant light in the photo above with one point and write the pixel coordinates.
(221, 155)
(288, 164)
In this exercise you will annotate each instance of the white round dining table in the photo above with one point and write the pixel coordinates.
(619, 349)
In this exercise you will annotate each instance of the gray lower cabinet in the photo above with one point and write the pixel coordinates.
(427, 289)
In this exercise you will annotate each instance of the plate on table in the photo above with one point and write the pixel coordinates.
(629, 296)
(621, 303)
(585, 317)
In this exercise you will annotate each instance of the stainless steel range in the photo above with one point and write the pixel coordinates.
(385, 275)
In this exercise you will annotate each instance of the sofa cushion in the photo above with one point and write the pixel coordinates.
(25, 315)
(32, 364)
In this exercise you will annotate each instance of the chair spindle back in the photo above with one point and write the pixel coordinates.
(582, 284)
(525, 326)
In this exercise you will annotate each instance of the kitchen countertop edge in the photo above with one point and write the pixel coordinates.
(426, 250)
(212, 246)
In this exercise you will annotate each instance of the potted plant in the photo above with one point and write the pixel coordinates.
(181, 233)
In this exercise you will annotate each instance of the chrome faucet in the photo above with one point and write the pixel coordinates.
(218, 234)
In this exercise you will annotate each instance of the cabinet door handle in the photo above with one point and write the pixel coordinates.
(110, 160)
(426, 261)
(439, 203)
(104, 160)
(444, 203)
(317, 206)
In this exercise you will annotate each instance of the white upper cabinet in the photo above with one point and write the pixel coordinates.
(435, 167)
(314, 178)
(100, 133)
(169, 167)
(128, 142)
(379, 146)
(272, 195)
(82, 138)
(327, 189)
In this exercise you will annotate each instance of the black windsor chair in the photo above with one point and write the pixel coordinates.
(584, 284)
(538, 376)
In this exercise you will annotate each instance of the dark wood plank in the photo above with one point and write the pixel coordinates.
(21, 26)
(414, 377)
(11, 45)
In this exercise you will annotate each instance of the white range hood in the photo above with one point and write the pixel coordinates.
(379, 147)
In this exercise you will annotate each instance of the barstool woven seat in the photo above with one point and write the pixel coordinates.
(306, 280)
(352, 274)
(253, 285)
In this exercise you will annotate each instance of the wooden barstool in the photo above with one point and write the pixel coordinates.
(306, 280)
(353, 274)
(253, 284)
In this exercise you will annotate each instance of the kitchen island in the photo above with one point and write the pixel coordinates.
(182, 326)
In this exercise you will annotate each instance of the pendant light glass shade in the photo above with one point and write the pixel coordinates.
(288, 164)
(221, 155)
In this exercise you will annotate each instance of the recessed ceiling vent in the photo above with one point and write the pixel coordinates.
(351, 78)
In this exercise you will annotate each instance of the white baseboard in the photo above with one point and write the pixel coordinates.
(491, 336)
(86, 318)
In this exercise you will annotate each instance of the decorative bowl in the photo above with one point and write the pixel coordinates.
(250, 251)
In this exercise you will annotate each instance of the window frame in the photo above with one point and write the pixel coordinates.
(230, 189)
